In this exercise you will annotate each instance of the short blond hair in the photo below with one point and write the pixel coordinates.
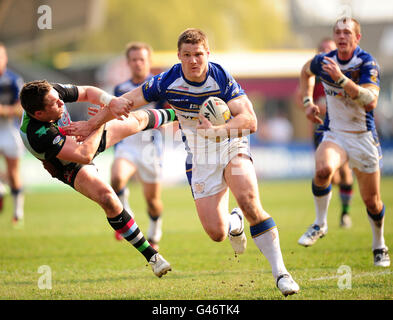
(193, 36)
(356, 24)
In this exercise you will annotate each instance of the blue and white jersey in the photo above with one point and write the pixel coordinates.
(10, 86)
(343, 113)
(186, 97)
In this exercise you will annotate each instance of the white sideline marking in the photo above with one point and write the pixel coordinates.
(355, 276)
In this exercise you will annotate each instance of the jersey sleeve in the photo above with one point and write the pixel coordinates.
(232, 89)
(316, 64)
(17, 87)
(369, 73)
(117, 92)
(152, 90)
(67, 92)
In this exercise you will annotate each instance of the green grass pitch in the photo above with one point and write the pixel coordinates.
(70, 235)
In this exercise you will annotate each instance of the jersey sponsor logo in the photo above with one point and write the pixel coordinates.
(59, 140)
(42, 131)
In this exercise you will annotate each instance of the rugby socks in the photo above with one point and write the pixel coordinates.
(345, 197)
(377, 226)
(18, 199)
(123, 197)
(127, 227)
(158, 117)
(265, 236)
(155, 229)
(322, 198)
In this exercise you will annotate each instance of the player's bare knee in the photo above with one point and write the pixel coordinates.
(324, 173)
(217, 234)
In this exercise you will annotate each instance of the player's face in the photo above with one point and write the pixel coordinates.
(327, 46)
(54, 106)
(345, 37)
(139, 63)
(194, 61)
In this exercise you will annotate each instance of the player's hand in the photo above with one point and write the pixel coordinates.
(207, 130)
(81, 129)
(332, 68)
(120, 107)
(312, 112)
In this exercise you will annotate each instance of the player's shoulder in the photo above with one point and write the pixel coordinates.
(13, 76)
(366, 57)
(123, 87)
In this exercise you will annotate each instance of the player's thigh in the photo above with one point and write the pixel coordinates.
(90, 184)
(212, 212)
(242, 180)
(329, 155)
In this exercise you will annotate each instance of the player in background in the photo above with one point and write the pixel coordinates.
(69, 161)
(140, 153)
(11, 146)
(343, 176)
(350, 77)
(213, 167)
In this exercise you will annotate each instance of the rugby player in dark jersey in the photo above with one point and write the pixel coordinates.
(71, 162)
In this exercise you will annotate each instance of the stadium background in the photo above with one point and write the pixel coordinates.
(262, 43)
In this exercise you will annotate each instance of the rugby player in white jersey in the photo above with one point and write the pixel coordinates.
(351, 81)
(11, 146)
(140, 153)
(185, 86)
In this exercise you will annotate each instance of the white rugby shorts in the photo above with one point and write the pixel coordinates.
(11, 144)
(207, 172)
(364, 152)
(144, 154)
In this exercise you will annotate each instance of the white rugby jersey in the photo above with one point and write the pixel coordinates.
(186, 97)
(342, 112)
(138, 141)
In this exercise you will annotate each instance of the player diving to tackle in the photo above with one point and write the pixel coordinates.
(213, 167)
(71, 162)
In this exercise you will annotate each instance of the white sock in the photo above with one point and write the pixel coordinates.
(269, 244)
(155, 230)
(377, 230)
(321, 209)
(19, 200)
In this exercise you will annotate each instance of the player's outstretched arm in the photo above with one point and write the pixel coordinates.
(84, 128)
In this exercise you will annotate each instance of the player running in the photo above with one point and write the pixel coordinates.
(350, 78)
(213, 167)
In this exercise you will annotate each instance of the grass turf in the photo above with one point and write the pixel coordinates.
(70, 234)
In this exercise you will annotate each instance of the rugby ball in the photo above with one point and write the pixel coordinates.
(215, 110)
